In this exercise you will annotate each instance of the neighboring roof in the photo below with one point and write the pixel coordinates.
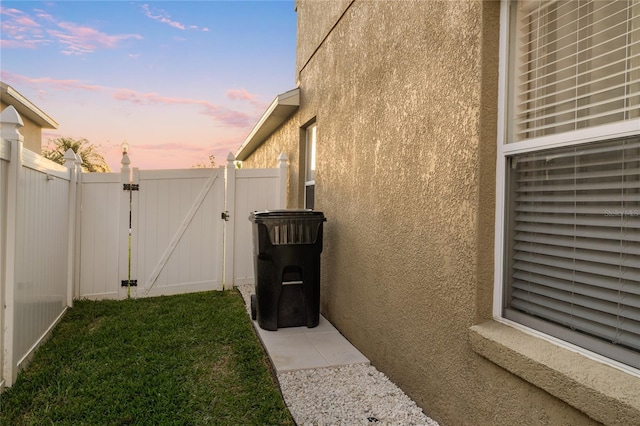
(25, 107)
(280, 109)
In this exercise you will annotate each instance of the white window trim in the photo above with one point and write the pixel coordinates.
(504, 150)
(312, 182)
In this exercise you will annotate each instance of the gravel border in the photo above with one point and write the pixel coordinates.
(351, 395)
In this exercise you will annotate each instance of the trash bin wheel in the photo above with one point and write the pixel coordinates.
(253, 307)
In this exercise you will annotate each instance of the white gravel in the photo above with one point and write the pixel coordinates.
(350, 395)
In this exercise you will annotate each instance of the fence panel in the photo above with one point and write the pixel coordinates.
(249, 190)
(256, 190)
(35, 246)
(100, 236)
(41, 251)
(4, 168)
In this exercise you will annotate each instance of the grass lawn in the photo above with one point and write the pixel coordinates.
(191, 359)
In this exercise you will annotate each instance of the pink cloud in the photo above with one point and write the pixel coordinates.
(161, 16)
(42, 15)
(20, 30)
(228, 116)
(16, 14)
(154, 98)
(18, 44)
(164, 18)
(52, 83)
(26, 21)
(171, 155)
(79, 40)
(217, 112)
(243, 95)
(239, 94)
(174, 146)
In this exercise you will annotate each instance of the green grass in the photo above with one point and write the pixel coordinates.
(180, 360)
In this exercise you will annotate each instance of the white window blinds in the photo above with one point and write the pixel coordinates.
(575, 244)
(576, 65)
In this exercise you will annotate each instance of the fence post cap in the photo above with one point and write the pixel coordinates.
(70, 155)
(283, 159)
(10, 116)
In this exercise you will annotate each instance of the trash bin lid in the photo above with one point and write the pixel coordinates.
(286, 214)
(293, 226)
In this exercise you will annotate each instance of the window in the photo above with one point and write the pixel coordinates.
(569, 174)
(310, 167)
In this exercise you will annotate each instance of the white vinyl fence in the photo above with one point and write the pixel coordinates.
(37, 237)
(66, 235)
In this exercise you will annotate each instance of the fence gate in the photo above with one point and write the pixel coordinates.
(177, 230)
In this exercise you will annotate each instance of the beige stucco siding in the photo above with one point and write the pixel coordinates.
(316, 20)
(404, 95)
(397, 92)
(285, 139)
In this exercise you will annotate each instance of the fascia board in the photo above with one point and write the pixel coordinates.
(278, 111)
(26, 108)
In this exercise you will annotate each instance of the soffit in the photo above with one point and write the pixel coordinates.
(25, 107)
(280, 109)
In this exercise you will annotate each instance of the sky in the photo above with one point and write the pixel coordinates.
(177, 80)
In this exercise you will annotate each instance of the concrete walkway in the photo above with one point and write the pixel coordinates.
(325, 380)
(301, 348)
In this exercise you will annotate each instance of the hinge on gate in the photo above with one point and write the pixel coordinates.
(130, 187)
(127, 283)
(225, 215)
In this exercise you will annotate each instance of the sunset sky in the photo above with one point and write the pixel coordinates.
(177, 80)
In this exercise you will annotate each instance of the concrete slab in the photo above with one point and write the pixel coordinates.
(300, 348)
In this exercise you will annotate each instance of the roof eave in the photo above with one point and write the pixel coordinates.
(277, 113)
(26, 108)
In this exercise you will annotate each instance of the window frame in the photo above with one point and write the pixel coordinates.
(310, 129)
(506, 150)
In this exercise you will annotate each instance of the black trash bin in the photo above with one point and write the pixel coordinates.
(286, 247)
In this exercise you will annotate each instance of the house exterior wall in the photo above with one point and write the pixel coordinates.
(285, 139)
(31, 131)
(404, 95)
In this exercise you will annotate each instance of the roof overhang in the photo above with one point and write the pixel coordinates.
(25, 107)
(280, 109)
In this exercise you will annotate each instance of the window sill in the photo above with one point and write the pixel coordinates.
(602, 392)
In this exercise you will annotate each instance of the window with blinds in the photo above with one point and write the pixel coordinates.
(574, 269)
(575, 65)
(572, 213)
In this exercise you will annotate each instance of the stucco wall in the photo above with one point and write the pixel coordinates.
(284, 139)
(315, 21)
(404, 96)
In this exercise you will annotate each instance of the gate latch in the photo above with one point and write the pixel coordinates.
(224, 215)
(130, 187)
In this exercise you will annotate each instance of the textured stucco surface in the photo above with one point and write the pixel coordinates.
(315, 21)
(605, 393)
(286, 139)
(404, 94)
